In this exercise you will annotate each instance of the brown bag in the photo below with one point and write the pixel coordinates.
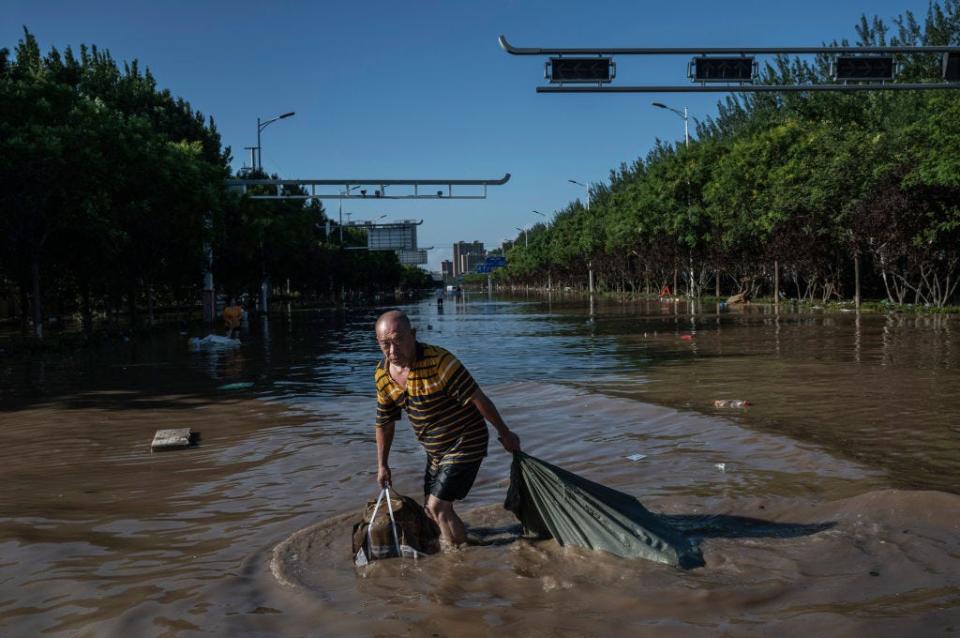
(392, 526)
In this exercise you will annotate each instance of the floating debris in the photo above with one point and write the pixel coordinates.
(636, 457)
(173, 439)
(731, 403)
(212, 342)
(232, 387)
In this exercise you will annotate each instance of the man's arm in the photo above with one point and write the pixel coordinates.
(384, 439)
(510, 441)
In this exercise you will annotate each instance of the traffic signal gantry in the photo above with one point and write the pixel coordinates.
(735, 70)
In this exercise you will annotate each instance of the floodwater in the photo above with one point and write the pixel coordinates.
(828, 507)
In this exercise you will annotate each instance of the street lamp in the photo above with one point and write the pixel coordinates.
(683, 114)
(549, 273)
(686, 143)
(573, 181)
(342, 193)
(264, 277)
(524, 231)
(260, 127)
(589, 261)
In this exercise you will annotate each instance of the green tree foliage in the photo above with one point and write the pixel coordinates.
(814, 183)
(110, 187)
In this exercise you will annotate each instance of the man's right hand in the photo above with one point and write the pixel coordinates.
(383, 476)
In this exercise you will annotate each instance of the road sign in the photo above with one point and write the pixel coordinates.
(738, 69)
(864, 68)
(496, 261)
(579, 70)
(483, 269)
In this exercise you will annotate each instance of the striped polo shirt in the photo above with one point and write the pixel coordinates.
(437, 402)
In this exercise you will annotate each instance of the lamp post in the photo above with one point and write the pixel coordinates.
(589, 261)
(265, 280)
(686, 143)
(524, 231)
(549, 272)
(683, 114)
(262, 125)
(342, 193)
(587, 188)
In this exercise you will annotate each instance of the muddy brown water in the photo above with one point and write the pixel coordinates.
(829, 507)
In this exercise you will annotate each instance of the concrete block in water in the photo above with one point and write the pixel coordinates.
(171, 439)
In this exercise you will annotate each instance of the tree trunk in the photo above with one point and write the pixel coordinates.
(37, 303)
(87, 311)
(776, 282)
(856, 279)
(132, 306)
(150, 306)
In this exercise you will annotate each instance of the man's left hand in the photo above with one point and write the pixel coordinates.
(510, 442)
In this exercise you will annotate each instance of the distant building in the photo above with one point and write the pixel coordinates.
(466, 256)
(446, 268)
(400, 237)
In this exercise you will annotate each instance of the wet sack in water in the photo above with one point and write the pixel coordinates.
(392, 526)
(553, 503)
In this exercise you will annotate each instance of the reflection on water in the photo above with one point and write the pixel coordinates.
(100, 537)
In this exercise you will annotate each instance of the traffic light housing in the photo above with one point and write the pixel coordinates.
(864, 68)
(715, 69)
(580, 70)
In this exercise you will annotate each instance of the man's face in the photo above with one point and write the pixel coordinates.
(397, 343)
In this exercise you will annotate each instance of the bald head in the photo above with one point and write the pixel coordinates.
(397, 338)
(392, 318)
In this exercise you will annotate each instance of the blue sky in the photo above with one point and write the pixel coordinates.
(421, 89)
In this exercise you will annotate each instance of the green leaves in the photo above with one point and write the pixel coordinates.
(805, 179)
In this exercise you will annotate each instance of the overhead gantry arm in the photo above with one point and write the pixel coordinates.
(377, 188)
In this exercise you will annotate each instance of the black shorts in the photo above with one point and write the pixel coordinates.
(449, 482)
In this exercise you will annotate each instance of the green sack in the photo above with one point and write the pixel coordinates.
(553, 503)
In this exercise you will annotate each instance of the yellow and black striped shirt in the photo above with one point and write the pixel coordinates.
(437, 402)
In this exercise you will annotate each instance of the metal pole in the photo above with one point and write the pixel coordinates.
(259, 154)
(509, 48)
(755, 88)
(686, 130)
(856, 276)
(776, 282)
(208, 295)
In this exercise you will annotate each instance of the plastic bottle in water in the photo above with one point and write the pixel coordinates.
(730, 403)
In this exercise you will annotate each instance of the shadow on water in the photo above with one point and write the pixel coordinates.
(696, 527)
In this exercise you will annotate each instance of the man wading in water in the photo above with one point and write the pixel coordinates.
(447, 411)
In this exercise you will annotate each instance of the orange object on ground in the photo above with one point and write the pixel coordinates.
(232, 316)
